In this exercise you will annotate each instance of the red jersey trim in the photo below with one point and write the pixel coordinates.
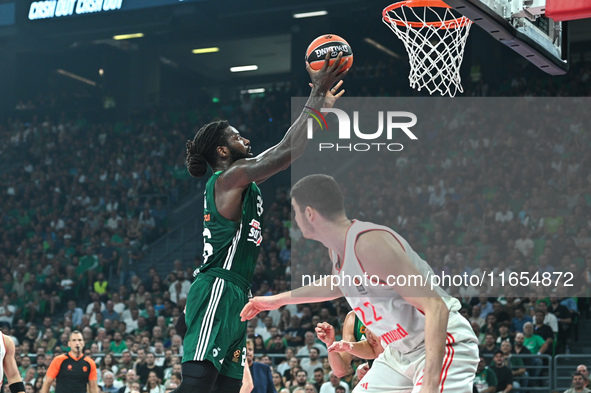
(345, 251)
(449, 345)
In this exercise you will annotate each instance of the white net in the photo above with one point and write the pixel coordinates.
(434, 39)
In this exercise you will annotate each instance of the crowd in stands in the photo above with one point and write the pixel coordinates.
(81, 200)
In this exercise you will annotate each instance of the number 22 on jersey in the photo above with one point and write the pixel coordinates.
(368, 313)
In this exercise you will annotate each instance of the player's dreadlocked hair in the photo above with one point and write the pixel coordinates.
(201, 150)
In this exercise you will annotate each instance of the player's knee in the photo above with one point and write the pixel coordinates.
(226, 384)
(198, 377)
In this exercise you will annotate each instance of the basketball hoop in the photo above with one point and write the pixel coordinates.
(434, 38)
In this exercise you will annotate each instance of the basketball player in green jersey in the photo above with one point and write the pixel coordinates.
(354, 331)
(214, 344)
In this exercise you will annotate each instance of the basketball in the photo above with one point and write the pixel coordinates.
(316, 51)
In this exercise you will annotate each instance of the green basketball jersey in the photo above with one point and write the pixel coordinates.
(232, 245)
(359, 334)
(359, 331)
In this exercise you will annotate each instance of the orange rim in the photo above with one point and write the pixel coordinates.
(448, 24)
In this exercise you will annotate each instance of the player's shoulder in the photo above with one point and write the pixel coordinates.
(377, 239)
(350, 318)
(89, 360)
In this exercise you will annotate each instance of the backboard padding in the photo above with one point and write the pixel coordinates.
(546, 50)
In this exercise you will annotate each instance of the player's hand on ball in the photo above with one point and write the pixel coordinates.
(362, 369)
(340, 346)
(325, 333)
(328, 75)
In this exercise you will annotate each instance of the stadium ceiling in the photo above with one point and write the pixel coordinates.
(246, 32)
(260, 32)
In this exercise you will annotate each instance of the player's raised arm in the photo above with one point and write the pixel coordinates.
(15, 383)
(279, 157)
(381, 246)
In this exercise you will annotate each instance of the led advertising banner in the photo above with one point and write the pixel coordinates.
(53, 9)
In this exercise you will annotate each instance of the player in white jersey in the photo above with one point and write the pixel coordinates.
(429, 346)
(8, 366)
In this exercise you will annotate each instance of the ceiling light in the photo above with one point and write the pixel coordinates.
(244, 68)
(309, 14)
(128, 36)
(253, 91)
(379, 46)
(76, 77)
(205, 50)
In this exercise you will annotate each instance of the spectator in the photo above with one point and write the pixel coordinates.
(175, 380)
(108, 386)
(486, 307)
(101, 287)
(119, 346)
(332, 383)
(153, 384)
(109, 363)
(581, 368)
(126, 361)
(519, 320)
(277, 345)
(264, 331)
(294, 334)
(502, 372)
(277, 381)
(301, 379)
(578, 384)
(309, 388)
(143, 370)
(544, 331)
(284, 365)
(516, 365)
(261, 373)
(310, 342)
(485, 380)
(479, 334)
(109, 311)
(7, 311)
(476, 317)
(564, 320)
(503, 333)
(525, 245)
(318, 378)
(490, 346)
(536, 345)
(74, 313)
(311, 363)
(127, 262)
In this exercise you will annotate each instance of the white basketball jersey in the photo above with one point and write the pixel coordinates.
(382, 310)
(2, 354)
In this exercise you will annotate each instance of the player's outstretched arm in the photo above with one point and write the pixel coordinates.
(361, 349)
(320, 290)
(10, 368)
(383, 247)
(280, 156)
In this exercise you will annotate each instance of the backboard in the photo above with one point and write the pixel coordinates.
(523, 26)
